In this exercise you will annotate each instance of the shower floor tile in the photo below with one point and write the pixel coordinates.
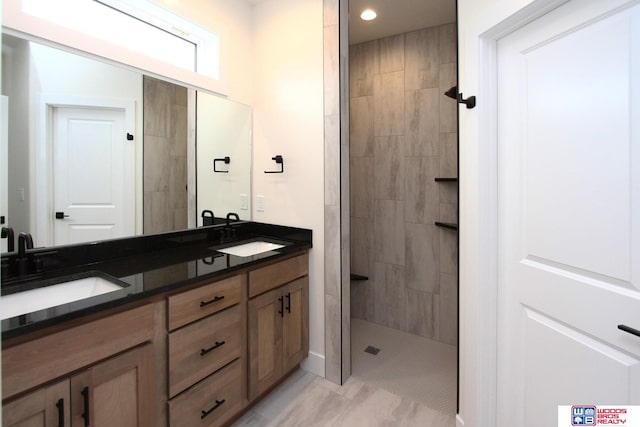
(407, 365)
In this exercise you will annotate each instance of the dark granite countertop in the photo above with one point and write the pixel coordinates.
(145, 266)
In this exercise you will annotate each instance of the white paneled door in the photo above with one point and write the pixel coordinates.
(569, 211)
(89, 146)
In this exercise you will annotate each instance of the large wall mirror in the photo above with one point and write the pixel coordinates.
(96, 151)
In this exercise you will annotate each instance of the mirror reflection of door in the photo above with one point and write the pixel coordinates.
(89, 182)
(39, 78)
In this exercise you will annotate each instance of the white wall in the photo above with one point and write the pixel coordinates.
(232, 20)
(274, 55)
(288, 120)
(224, 129)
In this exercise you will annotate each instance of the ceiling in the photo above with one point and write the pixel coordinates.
(394, 17)
(397, 16)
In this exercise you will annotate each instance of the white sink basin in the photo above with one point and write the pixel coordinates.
(252, 248)
(53, 295)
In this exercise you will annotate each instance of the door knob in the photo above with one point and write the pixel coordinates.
(61, 215)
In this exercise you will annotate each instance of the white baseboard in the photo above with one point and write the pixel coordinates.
(459, 421)
(314, 364)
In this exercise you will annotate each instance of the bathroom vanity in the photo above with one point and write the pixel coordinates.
(193, 335)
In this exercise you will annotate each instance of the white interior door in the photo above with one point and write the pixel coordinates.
(89, 146)
(569, 212)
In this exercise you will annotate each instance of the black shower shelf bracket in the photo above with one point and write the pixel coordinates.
(280, 161)
(226, 160)
(448, 225)
(440, 179)
(470, 102)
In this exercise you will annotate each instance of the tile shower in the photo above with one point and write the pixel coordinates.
(402, 136)
(165, 156)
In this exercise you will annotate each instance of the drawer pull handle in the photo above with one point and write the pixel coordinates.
(289, 302)
(207, 350)
(629, 329)
(211, 301)
(281, 311)
(85, 414)
(216, 406)
(60, 406)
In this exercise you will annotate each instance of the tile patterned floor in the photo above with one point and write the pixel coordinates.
(365, 399)
(410, 366)
(305, 400)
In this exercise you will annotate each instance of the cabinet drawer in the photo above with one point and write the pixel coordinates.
(211, 402)
(35, 362)
(192, 305)
(203, 347)
(272, 276)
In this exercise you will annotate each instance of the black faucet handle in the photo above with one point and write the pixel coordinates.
(25, 241)
(231, 215)
(28, 240)
(7, 233)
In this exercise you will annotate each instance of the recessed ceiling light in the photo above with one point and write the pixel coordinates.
(368, 14)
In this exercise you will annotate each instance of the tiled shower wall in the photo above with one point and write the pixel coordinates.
(165, 156)
(402, 136)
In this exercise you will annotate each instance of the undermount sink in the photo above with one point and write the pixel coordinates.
(24, 302)
(251, 248)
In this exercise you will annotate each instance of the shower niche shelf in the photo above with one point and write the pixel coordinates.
(447, 225)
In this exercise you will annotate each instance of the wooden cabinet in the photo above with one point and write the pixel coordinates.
(187, 307)
(278, 324)
(99, 375)
(194, 358)
(45, 407)
(295, 327)
(203, 347)
(113, 392)
(207, 353)
(211, 402)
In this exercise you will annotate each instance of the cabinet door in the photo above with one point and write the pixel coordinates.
(45, 407)
(117, 392)
(265, 341)
(295, 335)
